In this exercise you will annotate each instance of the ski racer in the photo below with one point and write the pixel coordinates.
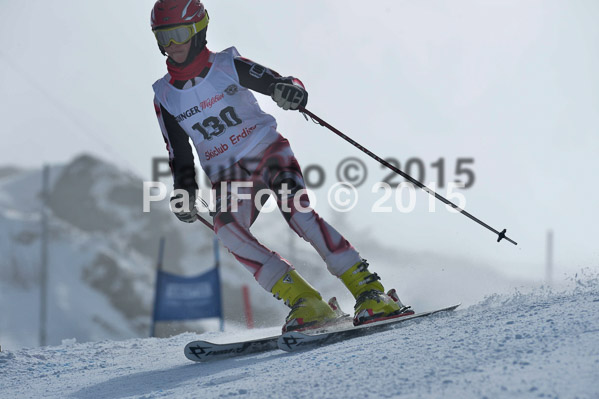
(207, 96)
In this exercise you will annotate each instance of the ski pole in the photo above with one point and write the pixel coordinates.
(501, 235)
(206, 223)
(201, 219)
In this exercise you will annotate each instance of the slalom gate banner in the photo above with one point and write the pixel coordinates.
(185, 298)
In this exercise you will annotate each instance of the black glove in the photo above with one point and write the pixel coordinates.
(184, 210)
(289, 96)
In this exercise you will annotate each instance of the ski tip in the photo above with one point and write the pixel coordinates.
(193, 352)
(198, 351)
(453, 307)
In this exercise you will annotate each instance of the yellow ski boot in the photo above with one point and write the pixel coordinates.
(307, 307)
(372, 304)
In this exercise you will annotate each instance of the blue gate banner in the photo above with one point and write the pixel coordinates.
(184, 298)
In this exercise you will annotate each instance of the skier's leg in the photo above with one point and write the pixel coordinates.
(284, 177)
(232, 228)
(340, 256)
(271, 271)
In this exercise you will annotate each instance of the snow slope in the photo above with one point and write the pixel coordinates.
(543, 343)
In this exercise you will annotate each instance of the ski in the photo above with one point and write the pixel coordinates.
(202, 351)
(295, 340)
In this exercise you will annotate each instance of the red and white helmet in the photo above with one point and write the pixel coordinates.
(177, 12)
(179, 21)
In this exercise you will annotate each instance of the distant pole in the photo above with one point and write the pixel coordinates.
(249, 317)
(44, 258)
(158, 270)
(549, 259)
(217, 266)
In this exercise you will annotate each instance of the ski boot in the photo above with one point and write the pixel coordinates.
(372, 304)
(308, 310)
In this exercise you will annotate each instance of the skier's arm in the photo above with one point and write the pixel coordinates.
(179, 151)
(287, 92)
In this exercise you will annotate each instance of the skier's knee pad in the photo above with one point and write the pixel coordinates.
(287, 183)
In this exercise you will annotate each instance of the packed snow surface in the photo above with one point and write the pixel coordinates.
(541, 343)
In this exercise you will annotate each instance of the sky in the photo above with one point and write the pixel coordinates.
(510, 84)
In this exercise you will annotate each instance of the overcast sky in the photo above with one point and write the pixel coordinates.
(511, 84)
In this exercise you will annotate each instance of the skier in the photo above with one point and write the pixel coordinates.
(206, 96)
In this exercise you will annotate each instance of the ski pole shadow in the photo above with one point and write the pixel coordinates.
(157, 381)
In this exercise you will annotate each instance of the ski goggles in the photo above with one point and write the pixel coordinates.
(179, 34)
